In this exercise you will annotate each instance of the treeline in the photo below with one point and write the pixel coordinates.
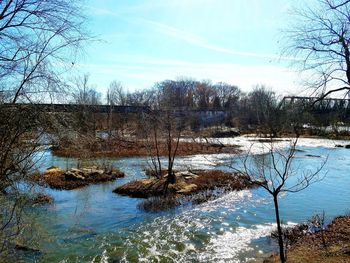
(258, 110)
(190, 94)
(187, 95)
(183, 93)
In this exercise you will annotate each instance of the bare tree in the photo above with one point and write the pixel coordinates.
(319, 39)
(152, 131)
(227, 94)
(276, 173)
(164, 125)
(116, 94)
(39, 41)
(259, 109)
(204, 95)
(263, 106)
(84, 120)
(164, 129)
(83, 93)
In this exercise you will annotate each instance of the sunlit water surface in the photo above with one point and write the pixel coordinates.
(92, 224)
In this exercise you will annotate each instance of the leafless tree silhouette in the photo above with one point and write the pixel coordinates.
(276, 173)
(318, 38)
(39, 40)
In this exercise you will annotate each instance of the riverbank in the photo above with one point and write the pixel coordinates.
(330, 245)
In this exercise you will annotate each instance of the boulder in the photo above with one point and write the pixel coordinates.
(70, 175)
(52, 167)
(115, 172)
(92, 170)
(54, 170)
(187, 175)
(189, 188)
(75, 170)
(142, 188)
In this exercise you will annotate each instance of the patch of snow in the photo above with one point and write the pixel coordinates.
(254, 145)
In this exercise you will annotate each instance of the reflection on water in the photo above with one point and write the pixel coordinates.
(94, 225)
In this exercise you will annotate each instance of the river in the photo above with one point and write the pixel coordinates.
(92, 224)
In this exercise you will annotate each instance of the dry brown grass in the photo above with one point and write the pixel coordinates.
(56, 179)
(209, 180)
(190, 188)
(122, 148)
(203, 181)
(310, 247)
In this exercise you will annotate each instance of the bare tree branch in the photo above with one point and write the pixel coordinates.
(319, 39)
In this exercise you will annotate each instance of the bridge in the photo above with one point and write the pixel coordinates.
(79, 107)
(326, 103)
(46, 107)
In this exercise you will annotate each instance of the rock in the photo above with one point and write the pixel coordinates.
(75, 170)
(75, 178)
(52, 167)
(70, 175)
(53, 170)
(312, 155)
(91, 170)
(189, 188)
(22, 247)
(187, 175)
(142, 188)
(116, 173)
(339, 146)
(347, 146)
(190, 177)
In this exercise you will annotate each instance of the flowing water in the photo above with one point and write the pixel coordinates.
(92, 224)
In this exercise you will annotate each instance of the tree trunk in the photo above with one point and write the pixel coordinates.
(279, 229)
(171, 177)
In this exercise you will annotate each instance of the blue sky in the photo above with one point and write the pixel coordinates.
(235, 41)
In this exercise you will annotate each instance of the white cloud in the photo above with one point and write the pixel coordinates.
(141, 72)
(200, 42)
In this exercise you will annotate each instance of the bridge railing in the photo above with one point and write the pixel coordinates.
(326, 103)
